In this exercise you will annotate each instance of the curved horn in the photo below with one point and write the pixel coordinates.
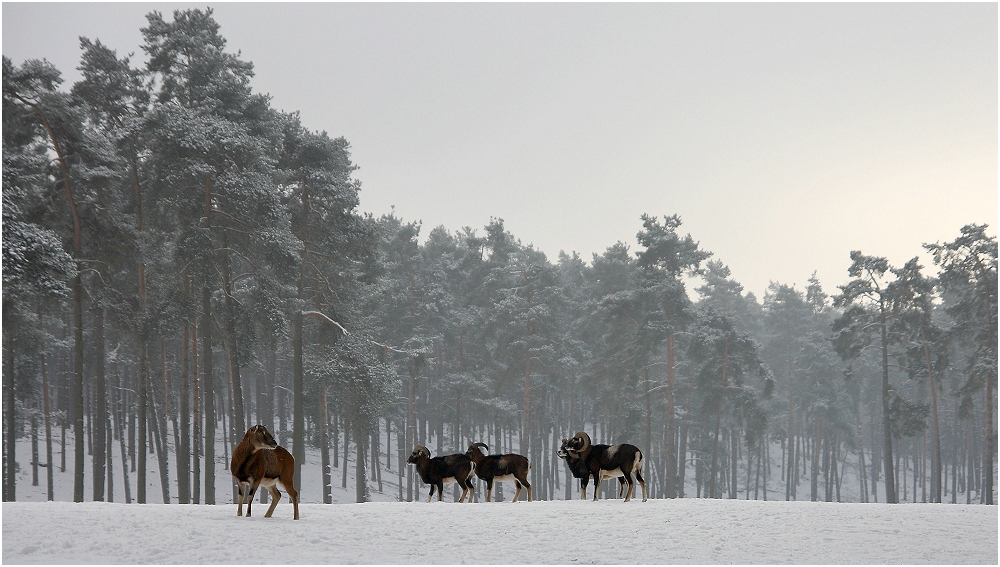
(422, 449)
(483, 445)
(582, 435)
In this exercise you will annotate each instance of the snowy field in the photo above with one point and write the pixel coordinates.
(689, 531)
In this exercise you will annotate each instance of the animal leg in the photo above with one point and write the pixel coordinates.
(597, 485)
(472, 489)
(253, 490)
(631, 486)
(517, 491)
(239, 508)
(275, 495)
(293, 495)
(527, 486)
(489, 490)
(642, 483)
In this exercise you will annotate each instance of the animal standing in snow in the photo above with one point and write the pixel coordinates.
(606, 461)
(259, 461)
(579, 470)
(499, 468)
(439, 471)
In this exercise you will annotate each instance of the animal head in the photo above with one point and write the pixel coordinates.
(474, 449)
(564, 450)
(579, 443)
(418, 452)
(260, 438)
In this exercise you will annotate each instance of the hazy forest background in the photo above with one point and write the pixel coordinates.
(181, 260)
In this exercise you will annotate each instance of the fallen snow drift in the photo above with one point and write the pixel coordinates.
(560, 532)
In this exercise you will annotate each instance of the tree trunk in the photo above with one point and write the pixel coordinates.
(109, 442)
(78, 431)
(718, 425)
(50, 473)
(376, 469)
(121, 427)
(238, 425)
(142, 421)
(411, 425)
(159, 441)
(89, 416)
(789, 486)
(298, 405)
(208, 384)
(165, 409)
(388, 444)
(682, 460)
(347, 449)
(10, 422)
(935, 433)
(829, 466)
(99, 402)
(669, 451)
(991, 441)
(734, 461)
(183, 448)
(267, 391)
(34, 449)
(62, 440)
(324, 444)
(814, 477)
(525, 431)
(875, 459)
(196, 429)
(891, 494)
(401, 461)
(360, 475)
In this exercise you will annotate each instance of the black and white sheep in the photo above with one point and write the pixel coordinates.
(607, 461)
(438, 471)
(579, 470)
(499, 468)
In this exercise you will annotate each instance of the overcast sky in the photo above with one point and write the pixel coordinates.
(784, 135)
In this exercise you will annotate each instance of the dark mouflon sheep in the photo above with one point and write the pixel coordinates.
(579, 470)
(607, 461)
(438, 471)
(499, 468)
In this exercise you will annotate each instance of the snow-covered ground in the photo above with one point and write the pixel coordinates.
(689, 531)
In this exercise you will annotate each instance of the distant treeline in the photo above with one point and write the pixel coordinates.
(181, 260)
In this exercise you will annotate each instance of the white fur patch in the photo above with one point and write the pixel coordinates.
(504, 478)
(613, 473)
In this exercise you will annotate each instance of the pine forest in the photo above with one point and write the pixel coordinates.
(181, 261)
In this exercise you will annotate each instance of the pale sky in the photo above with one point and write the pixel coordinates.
(784, 135)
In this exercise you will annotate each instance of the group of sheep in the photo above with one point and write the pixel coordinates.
(460, 468)
(259, 461)
(585, 460)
